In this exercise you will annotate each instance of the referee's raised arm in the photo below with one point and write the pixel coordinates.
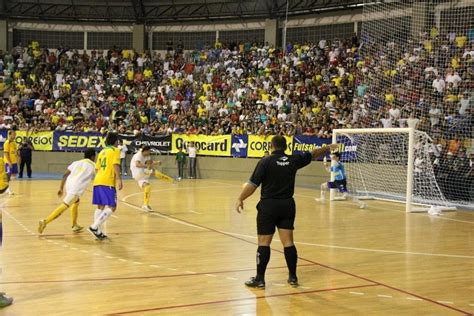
(318, 152)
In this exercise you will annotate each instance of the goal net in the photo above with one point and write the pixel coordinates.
(390, 164)
(414, 69)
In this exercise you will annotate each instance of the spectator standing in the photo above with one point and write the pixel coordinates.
(181, 161)
(192, 160)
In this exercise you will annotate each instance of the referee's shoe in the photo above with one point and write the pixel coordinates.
(293, 280)
(255, 283)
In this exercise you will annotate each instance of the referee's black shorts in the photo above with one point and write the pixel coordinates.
(275, 213)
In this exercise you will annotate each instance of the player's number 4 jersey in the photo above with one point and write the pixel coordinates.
(108, 157)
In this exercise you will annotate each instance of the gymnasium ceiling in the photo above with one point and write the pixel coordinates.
(162, 11)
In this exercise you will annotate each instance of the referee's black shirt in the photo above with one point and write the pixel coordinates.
(276, 173)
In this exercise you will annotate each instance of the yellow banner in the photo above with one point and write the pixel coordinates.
(259, 144)
(205, 145)
(41, 140)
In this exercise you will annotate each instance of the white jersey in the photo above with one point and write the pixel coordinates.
(137, 172)
(82, 173)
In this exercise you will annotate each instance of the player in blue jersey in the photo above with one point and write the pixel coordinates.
(340, 180)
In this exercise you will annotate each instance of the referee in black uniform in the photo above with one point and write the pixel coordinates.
(276, 173)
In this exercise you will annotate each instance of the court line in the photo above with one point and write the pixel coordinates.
(390, 210)
(320, 264)
(152, 309)
(111, 234)
(187, 274)
(124, 200)
(364, 249)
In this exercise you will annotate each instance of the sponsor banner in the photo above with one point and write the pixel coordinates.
(347, 147)
(42, 141)
(257, 145)
(205, 145)
(302, 143)
(67, 141)
(239, 146)
(159, 144)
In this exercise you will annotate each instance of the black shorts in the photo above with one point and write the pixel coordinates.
(275, 213)
(341, 185)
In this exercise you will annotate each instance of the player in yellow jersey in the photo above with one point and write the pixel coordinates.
(104, 195)
(4, 299)
(76, 179)
(10, 155)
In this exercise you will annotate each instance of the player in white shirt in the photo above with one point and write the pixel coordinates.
(76, 179)
(142, 167)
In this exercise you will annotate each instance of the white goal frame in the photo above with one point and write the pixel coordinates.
(410, 167)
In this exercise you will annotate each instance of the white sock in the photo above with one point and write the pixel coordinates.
(96, 216)
(323, 194)
(102, 218)
(9, 191)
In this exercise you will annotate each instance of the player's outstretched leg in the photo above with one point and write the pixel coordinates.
(51, 217)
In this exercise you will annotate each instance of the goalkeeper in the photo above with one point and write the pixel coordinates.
(340, 180)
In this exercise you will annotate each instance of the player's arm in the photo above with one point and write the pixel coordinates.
(118, 177)
(116, 164)
(63, 181)
(139, 164)
(318, 152)
(18, 155)
(6, 151)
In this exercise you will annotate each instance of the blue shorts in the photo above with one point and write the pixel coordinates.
(341, 185)
(104, 195)
(11, 169)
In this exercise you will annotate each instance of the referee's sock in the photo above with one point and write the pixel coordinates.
(263, 257)
(291, 256)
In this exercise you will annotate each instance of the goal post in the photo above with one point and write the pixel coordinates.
(392, 164)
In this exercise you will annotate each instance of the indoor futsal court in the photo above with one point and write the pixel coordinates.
(194, 252)
(237, 157)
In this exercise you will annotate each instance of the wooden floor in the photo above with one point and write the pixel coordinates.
(193, 254)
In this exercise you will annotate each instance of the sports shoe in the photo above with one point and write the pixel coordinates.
(5, 300)
(41, 226)
(253, 282)
(362, 205)
(103, 236)
(147, 208)
(77, 228)
(95, 232)
(293, 280)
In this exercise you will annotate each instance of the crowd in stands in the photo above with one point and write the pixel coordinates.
(250, 88)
